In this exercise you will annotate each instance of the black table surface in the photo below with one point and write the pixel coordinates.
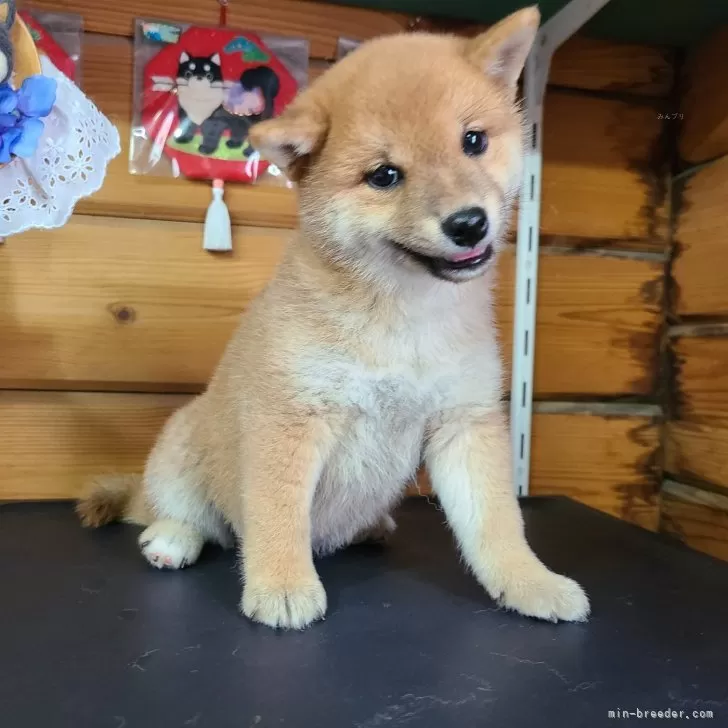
(90, 635)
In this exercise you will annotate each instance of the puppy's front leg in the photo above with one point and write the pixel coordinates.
(468, 458)
(282, 465)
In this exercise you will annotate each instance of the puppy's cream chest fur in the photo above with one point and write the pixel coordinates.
(385, 411)
(377, 448)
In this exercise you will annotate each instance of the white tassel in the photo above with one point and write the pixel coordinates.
(218, 233)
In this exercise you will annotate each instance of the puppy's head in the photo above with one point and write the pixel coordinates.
(408, 152)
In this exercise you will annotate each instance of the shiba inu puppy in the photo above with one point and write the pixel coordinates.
(373, 348)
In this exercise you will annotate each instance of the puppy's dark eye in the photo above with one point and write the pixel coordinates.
(384, 176)
(208, 76)
(188, 74)
(475, 143)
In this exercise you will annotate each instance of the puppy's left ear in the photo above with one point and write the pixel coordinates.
(288, 140)
(502, 50)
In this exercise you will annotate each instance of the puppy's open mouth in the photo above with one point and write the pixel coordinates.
(448, 268)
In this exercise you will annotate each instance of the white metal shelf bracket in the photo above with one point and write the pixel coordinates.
(551, 35)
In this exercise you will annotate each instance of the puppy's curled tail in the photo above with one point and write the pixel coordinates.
(111, 498)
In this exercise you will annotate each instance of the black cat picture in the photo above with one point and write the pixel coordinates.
(203, 99)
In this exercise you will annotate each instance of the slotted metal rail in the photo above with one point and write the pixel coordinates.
(551, 35)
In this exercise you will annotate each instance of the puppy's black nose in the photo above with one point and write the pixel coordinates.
(466, 227)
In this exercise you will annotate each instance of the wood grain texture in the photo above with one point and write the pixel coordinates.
(697, 443)
(320, 23)
(704, 132)
(698, 518)
(702, 377)
(54, 441)
(699, 269)
(698, 451)
(609, 463)
(598, 181)
(137, 304)
(596, 324)
(600, 65)
(593, 64)
(125, 304)
(606, 462)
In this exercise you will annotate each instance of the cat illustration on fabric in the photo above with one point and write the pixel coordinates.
(206, 104)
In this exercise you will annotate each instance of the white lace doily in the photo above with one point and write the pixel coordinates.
(77, 144)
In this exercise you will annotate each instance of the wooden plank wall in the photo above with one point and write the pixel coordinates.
(696, 447)
(107, 324)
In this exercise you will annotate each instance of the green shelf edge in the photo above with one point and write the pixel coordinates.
(677, 23)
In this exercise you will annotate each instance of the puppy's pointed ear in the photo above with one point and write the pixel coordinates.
(290, 138)
(501, 51)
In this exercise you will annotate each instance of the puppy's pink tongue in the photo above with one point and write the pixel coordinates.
(466, 256)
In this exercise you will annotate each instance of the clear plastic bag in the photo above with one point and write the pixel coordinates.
(197, 91)
(58, 36)
(344, 46)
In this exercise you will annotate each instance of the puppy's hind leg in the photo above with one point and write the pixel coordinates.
(186, 520)
(171, 544)
(174, 488)
(379, 533)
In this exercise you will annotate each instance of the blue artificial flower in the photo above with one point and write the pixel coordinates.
(25, 144)
(8, 120)
(36, 96)
(8, 138)
(8, 99)
(20, 116)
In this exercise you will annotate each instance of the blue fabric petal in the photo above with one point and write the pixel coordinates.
(8, 138)
(8, 99)
(37, 96)
(7, 121)
(26, 143)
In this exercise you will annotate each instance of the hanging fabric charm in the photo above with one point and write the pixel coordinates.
(202, 89)
(218, 232)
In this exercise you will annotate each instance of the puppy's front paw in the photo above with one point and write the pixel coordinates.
(291, 607)
(538, 592)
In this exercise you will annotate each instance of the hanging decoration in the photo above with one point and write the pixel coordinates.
(54, 142)
(198, 91)
(202, 94)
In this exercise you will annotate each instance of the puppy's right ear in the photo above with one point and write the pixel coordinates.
(289, 139)
(501, 51)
